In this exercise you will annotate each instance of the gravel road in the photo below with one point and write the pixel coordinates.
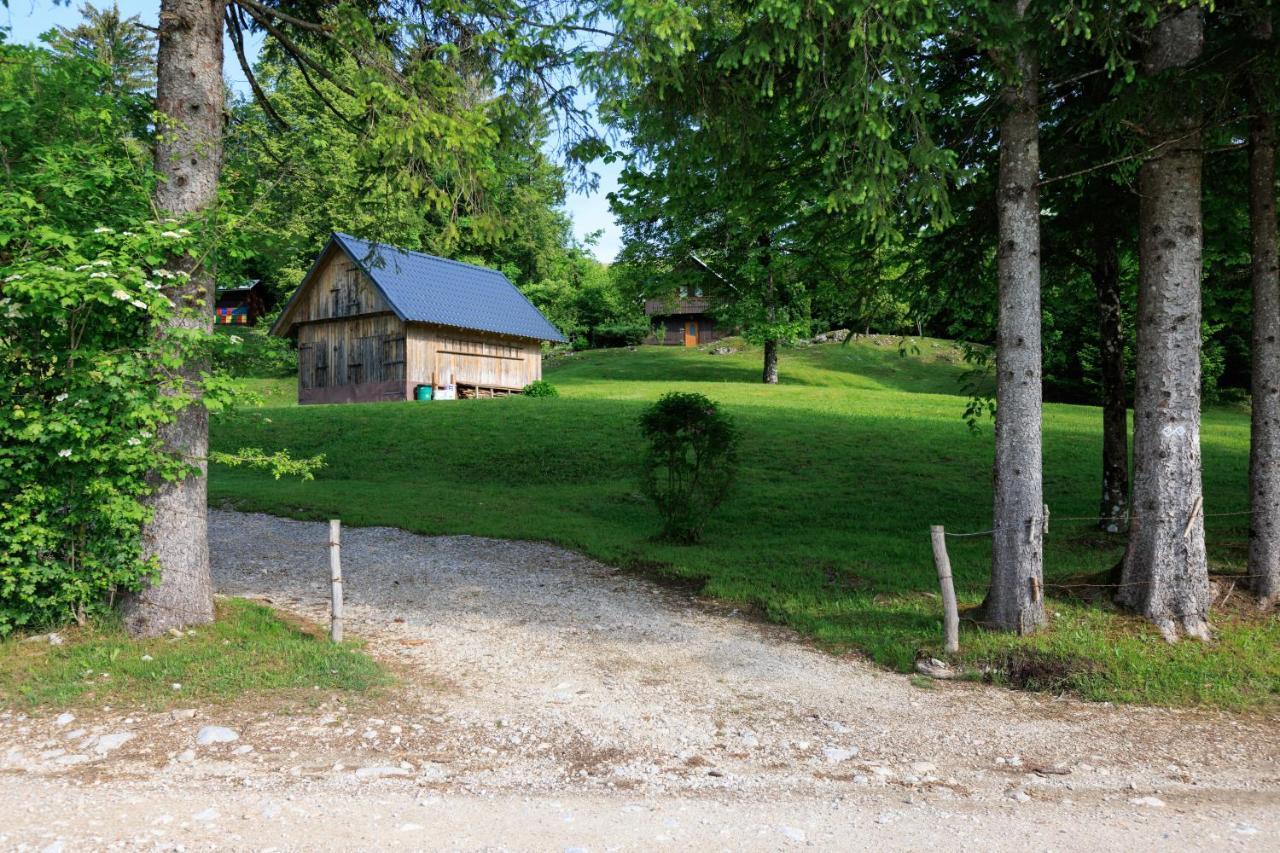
(548, 702)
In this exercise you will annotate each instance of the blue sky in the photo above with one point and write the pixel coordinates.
(27, 19)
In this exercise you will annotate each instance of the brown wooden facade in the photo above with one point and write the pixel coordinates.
(683, 322)
(352, 347)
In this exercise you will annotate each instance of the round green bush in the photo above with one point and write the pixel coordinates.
(690, 464)
(540, 388)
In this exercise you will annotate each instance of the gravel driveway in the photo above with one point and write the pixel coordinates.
(550, 702)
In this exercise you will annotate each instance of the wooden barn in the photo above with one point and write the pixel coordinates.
(374, 322)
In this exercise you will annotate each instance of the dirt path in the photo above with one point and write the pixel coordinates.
(552, 703)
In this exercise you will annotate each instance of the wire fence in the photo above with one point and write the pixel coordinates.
(1027, 527)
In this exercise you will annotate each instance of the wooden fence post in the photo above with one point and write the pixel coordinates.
(335, 577)
(950, 613)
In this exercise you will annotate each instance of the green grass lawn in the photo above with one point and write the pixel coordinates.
(248, 650)
(846, 463)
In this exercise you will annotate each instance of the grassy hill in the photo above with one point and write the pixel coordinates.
(845, 465)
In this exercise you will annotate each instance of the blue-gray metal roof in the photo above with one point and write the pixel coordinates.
(423, 288)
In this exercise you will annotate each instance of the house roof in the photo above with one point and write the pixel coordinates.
(422, 288)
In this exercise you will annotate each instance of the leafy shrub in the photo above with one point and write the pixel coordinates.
(690, 463)
(253, 351)
(85, 387)
(541, 388)
(621, 334)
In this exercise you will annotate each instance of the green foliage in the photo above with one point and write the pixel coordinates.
(86, 387)
(249, 649)
(690, 463)
(620, 334)
(254, 351)
(540, 388)
(279, 463)
(121, 45)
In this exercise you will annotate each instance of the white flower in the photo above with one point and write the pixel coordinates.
(133, 442)
(164, 273)
(121, 295)
(101, 275)
(150, 285)
(14, 277)
(173, 235)
(184, 232)
(236, 339)
(64, 453)
(145, 434)
(102, 262)
(127, 234)
(138, 303)
(83, 267)
(102, 230)
(62, 396)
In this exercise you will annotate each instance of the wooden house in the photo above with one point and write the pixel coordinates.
(374, 322)
(241, 305)
(684, 317)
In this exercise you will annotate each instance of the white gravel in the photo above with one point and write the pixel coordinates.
(551, 702)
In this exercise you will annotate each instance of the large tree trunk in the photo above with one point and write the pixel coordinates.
(1264, 447)
(1115, 399)
(1015, 600)
(1165, 575)
(189, 97)
(771, 362)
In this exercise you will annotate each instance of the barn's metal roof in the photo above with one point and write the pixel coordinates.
(422, 288)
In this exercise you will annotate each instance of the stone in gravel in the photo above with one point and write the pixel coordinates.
(183, 714)
(76, 734)
(242, 749)
(796, 835)
(381, 772)
(107, 743)
(71, 760)
(1020, 796)
(750, 741)
(207, 815)
(837, 754)
(64, 720)
(923, 767)
(55, 847)
(186, 756)
(1153, 802)
(216, 734)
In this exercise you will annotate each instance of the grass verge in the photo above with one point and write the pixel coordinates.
(249, 649)
(845, 464)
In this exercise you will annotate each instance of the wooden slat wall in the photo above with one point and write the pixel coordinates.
(351, 351)
(471, 358)
(338, 289)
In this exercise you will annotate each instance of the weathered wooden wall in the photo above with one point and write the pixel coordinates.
(353, 348)
(338, 289)
(471, 357)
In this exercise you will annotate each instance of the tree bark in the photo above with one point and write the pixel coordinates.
(1165, 573)
(189, 98)
(1015, 599)
(771, 362)
(1113, 510)
(1264, 446)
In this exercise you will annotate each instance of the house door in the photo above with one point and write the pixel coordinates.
(691, 333)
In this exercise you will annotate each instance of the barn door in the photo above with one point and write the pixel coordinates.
(691, 333)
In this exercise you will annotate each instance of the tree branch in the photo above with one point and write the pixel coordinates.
(237, 42)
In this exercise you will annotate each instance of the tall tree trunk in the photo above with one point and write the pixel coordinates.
(1264, 446)
(771, 361)
(1115, 399)
(1165, 575)
(1015, 601)
(189, 98)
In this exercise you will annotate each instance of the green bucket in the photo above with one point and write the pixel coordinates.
(422, 392)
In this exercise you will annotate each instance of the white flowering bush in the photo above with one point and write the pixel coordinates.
(86, 384)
